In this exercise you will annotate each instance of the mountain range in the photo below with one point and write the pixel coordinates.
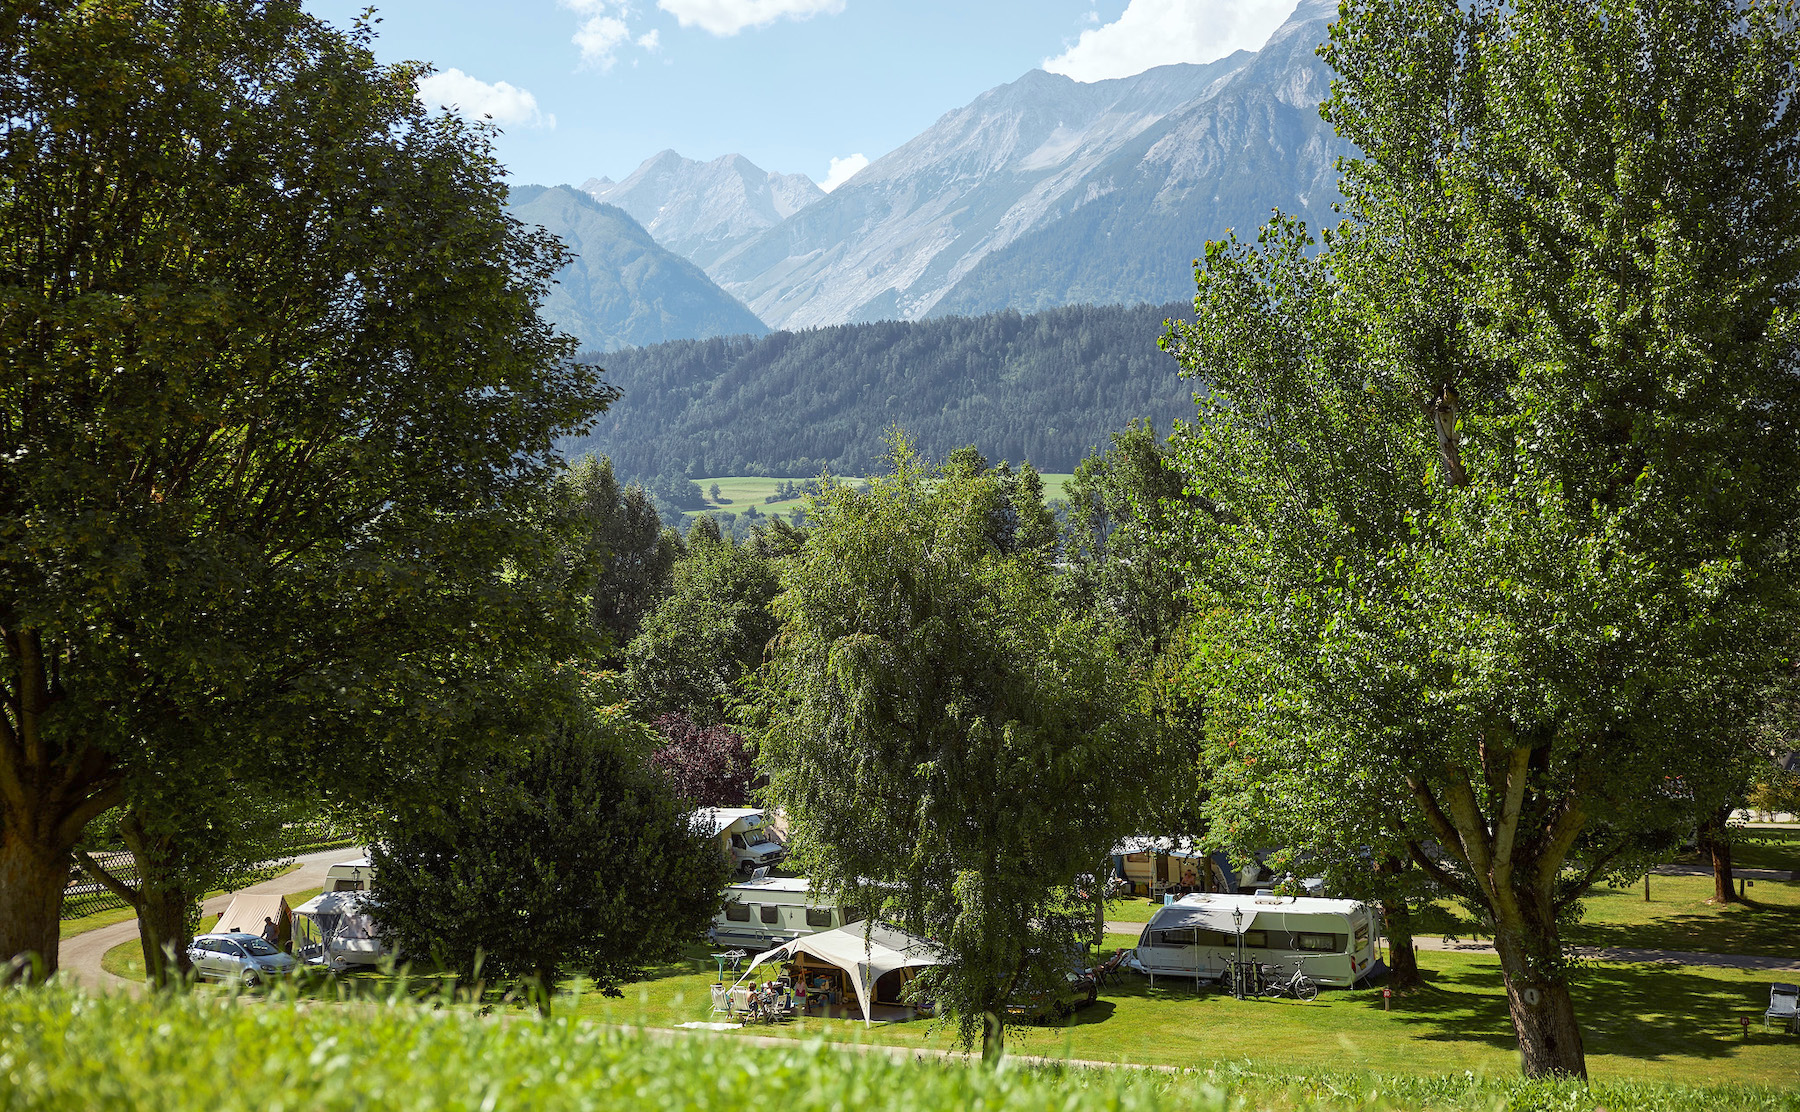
(1039, 193)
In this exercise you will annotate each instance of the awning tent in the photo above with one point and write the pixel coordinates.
(1182, 915)
(247, 912)
(336, 927)
(864, 951)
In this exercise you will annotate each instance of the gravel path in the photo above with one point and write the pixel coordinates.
(78, 958)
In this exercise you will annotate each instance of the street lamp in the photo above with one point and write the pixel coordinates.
(1237, 974)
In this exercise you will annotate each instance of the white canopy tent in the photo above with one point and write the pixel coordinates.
(865, 951)
(335, 928)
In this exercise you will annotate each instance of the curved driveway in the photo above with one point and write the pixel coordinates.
(78, 958)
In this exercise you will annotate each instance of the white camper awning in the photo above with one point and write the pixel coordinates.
(1181, 915)
(866, 951)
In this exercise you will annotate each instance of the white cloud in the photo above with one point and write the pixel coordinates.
(1162, 32)
(472, 97)
(841, 171)
(602, 31)
(728, 17)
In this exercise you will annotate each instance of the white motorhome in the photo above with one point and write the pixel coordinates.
(770, 911)
(744, 836)
(1198, 935)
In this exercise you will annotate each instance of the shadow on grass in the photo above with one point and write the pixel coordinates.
(1750, 927)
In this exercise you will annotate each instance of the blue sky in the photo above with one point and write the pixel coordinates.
(593, 87)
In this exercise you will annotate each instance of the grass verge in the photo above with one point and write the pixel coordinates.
(62, 1049)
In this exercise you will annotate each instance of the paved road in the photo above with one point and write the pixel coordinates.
(1761, 962)
(79, 957)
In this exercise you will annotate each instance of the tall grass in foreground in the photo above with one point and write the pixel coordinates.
(61, 1049)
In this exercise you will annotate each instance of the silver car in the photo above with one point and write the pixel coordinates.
(241, 958)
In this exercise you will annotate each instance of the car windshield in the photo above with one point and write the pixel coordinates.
(258, 948)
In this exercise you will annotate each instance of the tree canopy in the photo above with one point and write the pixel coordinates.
(950, 746)
(1500, 485)
(277, 416)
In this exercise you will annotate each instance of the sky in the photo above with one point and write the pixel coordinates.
(592, 88)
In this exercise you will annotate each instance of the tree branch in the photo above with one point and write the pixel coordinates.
(1442, 875)
(112, 883)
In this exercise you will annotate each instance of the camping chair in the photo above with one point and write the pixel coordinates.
(721, 998)
(1108, 971)
(1784, 1005)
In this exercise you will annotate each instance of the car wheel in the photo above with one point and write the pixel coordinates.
(251, 980)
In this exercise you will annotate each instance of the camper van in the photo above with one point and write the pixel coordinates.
(350, 876)
(1196, 936)
(744, 836)
(767, 912)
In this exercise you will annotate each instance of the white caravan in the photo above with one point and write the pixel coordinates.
(744, 836)
(770, 911)
(350, 876)
(1197, 936)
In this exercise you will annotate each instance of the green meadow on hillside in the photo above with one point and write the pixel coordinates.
(739, 492)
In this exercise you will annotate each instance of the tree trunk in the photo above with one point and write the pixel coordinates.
(168, 910)
(165, 929)
(32, 879)
(544, 989)
(993, 1037)
(1537, 995)
(1403, 963)
(1713, 843)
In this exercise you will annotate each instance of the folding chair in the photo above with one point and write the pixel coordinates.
(1784, 1005)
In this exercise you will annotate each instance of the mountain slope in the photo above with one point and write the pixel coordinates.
(703, 210)
(1048, 192)
(890, 241)
(623, 288)
(1255, 143)
(1045, 387)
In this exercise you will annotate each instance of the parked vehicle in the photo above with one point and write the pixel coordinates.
(1045, 996)
(744, 837)
(238, 957)
(768, 912)
(1198, 936)
(350, 876)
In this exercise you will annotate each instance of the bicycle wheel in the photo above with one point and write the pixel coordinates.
(1306, 989)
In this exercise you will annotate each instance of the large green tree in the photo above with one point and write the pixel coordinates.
(1504, 478)
(951, 747)
(569, 853)
(276, 412)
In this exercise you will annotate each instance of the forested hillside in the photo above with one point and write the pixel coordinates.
(1044, 387)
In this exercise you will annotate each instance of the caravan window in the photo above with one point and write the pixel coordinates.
(1320, 943)
(737, 912)
(1175, 938)
(819, 917)
(1216, 938)
(771, 914)
(1362, 935)
(1257, 939)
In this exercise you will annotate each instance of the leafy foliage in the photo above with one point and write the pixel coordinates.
(620, 531)
(577, 854)
(1502, 481)
(710, 766)
(277, 418)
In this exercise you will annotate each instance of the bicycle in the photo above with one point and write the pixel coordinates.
(1299, 986)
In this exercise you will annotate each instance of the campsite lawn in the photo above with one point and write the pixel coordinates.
(1759, 847)
(1677, 917)
(1640, 1022)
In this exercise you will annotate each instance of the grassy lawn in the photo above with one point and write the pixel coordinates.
(1759, 848)
(1677, 917)
(1131, 909)
(98, 919)
(1640, 1022)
